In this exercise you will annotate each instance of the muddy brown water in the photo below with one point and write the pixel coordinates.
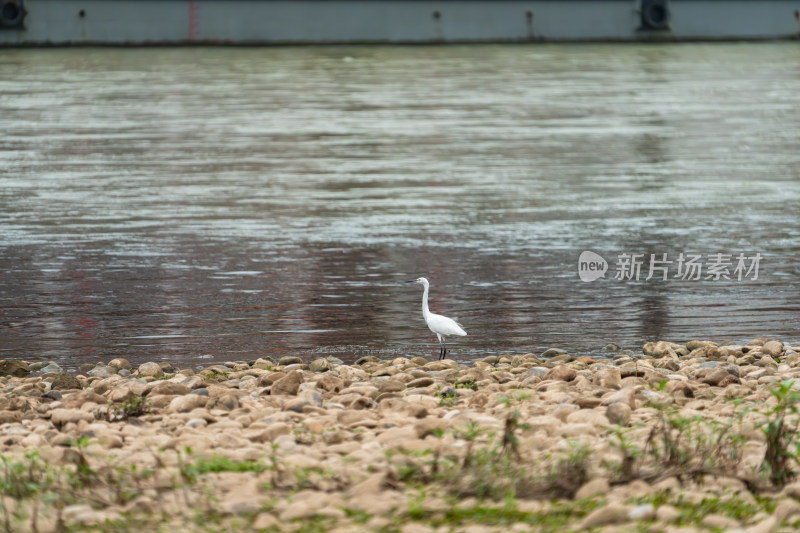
(199, 205)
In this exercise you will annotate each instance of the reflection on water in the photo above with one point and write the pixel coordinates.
(202, 204)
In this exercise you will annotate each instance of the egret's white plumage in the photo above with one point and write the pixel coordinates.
(440, 325)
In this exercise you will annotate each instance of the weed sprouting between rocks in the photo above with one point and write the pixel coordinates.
(783, 448)
(136, 406)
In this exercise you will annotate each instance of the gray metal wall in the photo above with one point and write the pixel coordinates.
(379, 21)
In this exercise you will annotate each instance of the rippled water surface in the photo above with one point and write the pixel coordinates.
(215, 204)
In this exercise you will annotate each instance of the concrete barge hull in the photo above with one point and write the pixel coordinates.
(141, 22)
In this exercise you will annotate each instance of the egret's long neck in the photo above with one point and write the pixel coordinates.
(425, 311)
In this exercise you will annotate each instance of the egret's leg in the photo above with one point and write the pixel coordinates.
(444, 349)
(440, 345)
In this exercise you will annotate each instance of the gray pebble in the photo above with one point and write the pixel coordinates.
(53, 395)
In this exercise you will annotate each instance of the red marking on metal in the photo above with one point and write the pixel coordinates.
(194, 20)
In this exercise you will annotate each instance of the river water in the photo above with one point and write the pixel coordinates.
(199, 205)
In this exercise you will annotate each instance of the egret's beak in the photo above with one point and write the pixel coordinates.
(411, 281)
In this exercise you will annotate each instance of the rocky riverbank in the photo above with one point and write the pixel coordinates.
(673, 438)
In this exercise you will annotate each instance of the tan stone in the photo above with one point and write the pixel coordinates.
(619, 413)
(227, 402)
(679, 388)
(422, 400)
(151, 369)
(476, 528)
(613, 513)
(184, 404)
(416, 527)
(266, 380)
(120, 363)
(773, 348)
(792, 490)
(609, 378)
(362, 390)
(121, 395)
(409, 406)
(719, 377)
(395, 437)
(288, 384)
(269, 434)
(694, 345)
(370, 487)
(588, 416)
(767, 525)
(14, 367)
(379, 503)
(34, 440)
(595, 487)
(429, 425)
(329, 383)
(171, 388)
(786, 508)
(298, 461)
(230, 441)
(80, 398)
(344, 448)
(351, 417)
(159, 401)
(60, 417)
(9, 417)
(626, 395)
(561, 373)
(391, 385)
(664, 349)
(353, 401)
(300, 510)
(588, 402)
(667, 514)
(564, 410)
(545, 423)
(578, 430)
(718, 521)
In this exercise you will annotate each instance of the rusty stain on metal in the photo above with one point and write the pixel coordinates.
(194, 20)
(529, 23)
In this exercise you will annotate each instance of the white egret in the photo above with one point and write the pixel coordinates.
(440, 325)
